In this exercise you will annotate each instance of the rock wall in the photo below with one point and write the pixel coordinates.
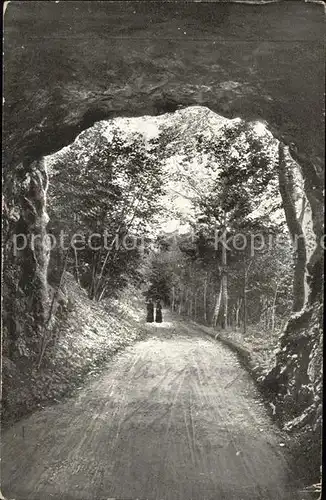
(69, 64)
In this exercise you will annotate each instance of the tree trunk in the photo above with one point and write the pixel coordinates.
(47, 325)
(225, 299)
(180, 303)
(217, 306)
(267, 315)
(295, 229)
(187, 303)
(224, 322)
(274, 307)
(173, 299)
(96, 282)
(190, 306)
(205, 298)
(245, 304)
(245, 284)
(115, 240)
(261, 309)
(94, 271)
(102, 293)
(237, 312)
(76, 265)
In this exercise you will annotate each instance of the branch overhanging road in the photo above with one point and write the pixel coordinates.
(173, 417)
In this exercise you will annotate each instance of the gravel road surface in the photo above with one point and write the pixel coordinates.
(173, 417)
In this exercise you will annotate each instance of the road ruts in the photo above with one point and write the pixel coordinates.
(173, 417)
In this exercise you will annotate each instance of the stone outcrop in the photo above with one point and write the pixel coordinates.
(69, 64)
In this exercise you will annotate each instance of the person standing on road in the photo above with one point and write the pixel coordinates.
(158, 316)
(150, 311)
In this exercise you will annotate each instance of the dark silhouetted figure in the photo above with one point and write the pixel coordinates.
(158, 316)
(150, 311)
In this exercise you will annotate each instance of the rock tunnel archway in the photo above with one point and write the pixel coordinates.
(70, 64)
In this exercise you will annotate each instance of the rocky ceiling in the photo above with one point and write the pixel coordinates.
(69, 64)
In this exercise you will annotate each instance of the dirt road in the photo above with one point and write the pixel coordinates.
(174, 417)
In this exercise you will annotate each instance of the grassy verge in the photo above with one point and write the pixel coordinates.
(87, 337)
(256, 351)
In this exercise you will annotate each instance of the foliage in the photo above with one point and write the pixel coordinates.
(106, 189)
(237, 197)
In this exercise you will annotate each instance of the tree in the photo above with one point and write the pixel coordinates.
(106, 189)
(233, 200)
